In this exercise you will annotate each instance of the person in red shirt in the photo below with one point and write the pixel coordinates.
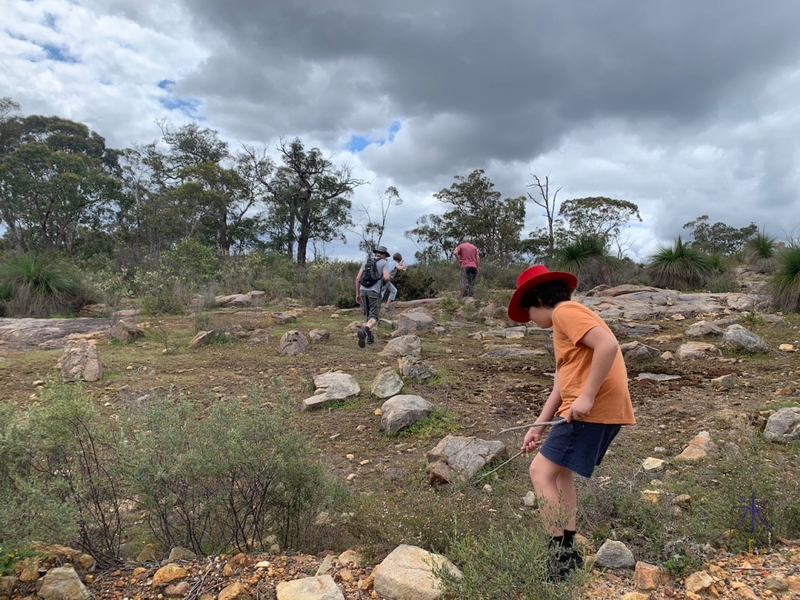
(469, 260)
(590, 392)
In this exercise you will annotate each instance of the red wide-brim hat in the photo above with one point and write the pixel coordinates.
(530, 278)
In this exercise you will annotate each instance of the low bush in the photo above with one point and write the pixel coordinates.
(505, 563)
(784, 283)
(62, 477)
(35, 285)
(230, 479)
(678, 267)
(761, 253)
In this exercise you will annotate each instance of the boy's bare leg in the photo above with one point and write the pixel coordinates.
(555, 490)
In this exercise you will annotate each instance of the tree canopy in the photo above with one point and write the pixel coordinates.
(718, 238)
(57, 179)
(478, 210)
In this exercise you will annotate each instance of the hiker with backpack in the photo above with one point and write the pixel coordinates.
(369, 289)
(394, 265)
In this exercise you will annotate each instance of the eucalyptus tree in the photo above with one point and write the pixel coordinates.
(477, 210)
(58, 181)
(718, 238)
(189, 185)
(308, 200)
(599, 217)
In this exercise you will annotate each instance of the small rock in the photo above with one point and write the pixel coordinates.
(651, 464)
(698, 581)
(614, 555)
(169, 573)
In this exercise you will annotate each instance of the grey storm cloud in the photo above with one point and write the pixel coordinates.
(514, 76)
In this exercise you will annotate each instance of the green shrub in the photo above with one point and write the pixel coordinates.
(721, 283)
(34, 285)
(784, 283)
(323, 282)
(589, 260)
(225, 481)
(423, 517)
(418, 281)
(678, 267)
(62, 479)
(761, 253)
(165, 303)
(505, 563)
(191, 263)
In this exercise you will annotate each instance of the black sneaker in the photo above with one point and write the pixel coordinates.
(362, 335)
(563, 563)
(370, 338)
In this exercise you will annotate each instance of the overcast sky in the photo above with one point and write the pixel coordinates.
(682, 107)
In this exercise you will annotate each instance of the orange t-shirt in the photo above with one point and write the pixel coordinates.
(612, 405)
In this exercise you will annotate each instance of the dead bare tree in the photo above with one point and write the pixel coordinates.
(548, 204)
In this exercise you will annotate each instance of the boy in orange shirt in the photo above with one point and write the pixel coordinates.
(590, 391)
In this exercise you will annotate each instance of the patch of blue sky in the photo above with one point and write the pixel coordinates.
(188, 107)
(171, 101)
(58, 54)
(50, 21)
(357, 143)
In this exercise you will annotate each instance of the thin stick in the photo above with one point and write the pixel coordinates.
(542, 424)
(499, 466)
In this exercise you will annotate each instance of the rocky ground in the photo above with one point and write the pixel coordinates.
(482, 393)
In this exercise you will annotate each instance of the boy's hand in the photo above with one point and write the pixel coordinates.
(580, 408)
(531, 440)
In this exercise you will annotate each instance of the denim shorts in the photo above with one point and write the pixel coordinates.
(579, 446)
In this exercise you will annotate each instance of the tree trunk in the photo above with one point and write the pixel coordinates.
(302, 246)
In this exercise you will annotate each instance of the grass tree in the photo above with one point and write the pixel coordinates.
(678, 267)
(761, 253)
(784, 283)
(34, 285)
(588, 258)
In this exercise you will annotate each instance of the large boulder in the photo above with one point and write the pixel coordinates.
(62, 583)
(405, 345)
(126, 332)
(81, 360)
(408, 574)
(635, 352)
(783, 425)
(331, 387)
(413, 367)
(614, 555)
(413, 321)
(694, 350)
(309, 588)
(203, 338)
(387, 383)
(293, 342)
(461, 458)
(701, 447)
(401, 411)
(738, 338)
